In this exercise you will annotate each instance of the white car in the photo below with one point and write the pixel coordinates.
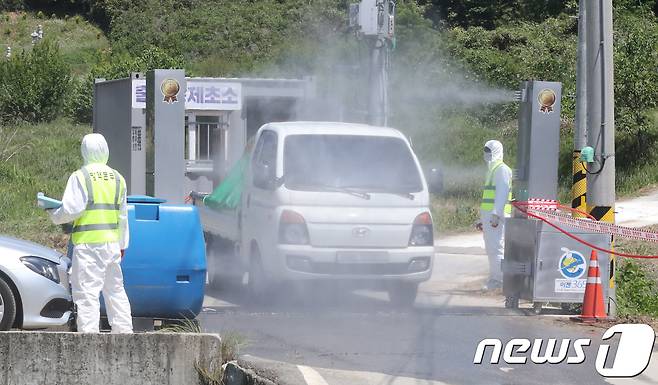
(34, 286)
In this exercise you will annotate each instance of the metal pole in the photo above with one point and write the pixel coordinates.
(580, 137)
(376, 95)
(579, 174)
(385, 66)
(600, 117)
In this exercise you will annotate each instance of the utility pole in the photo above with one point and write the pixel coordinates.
(377, 95)
(579, 175)
(375, 20)
(600, 121)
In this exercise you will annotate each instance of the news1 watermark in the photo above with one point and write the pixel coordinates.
(632, 357)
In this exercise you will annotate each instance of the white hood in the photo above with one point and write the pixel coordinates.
(496, 150)
(94, 149)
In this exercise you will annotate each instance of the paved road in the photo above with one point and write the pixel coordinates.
(638, 212)
(342, 337)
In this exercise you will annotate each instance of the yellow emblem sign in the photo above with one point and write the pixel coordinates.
(170, 89)
(547, 99)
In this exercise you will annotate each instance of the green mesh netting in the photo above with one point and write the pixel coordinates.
(227, 195)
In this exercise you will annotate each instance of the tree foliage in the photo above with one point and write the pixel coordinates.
(222, 37)
(11, 5)
(80, 104)
(636, 88)
(490, 14)
(482, 44)
(547, 51)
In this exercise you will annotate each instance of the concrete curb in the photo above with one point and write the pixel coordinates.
(28, 358)
(234, 374)
(249, 370)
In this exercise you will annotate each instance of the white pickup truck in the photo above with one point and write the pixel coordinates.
(332, 201)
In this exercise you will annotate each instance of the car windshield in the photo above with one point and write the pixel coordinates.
(364, 163)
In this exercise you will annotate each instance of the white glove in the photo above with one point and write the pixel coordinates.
(495, 220)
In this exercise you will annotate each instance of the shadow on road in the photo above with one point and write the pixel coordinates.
(333, 297)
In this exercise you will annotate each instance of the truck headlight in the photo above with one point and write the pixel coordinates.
(42, 267)
(422, 232)
(292, 229)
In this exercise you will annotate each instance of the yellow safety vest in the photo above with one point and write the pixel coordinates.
(489, 191)
(99, 223)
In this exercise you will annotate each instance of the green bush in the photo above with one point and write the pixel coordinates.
(637, 293)
(80, 103)
(34, 84)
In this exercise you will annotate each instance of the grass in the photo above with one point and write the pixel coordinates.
(457, 209)
(187, 325)
(79, 40)
(639, 180)
(637, 279)
(232, 342)
(37, 157)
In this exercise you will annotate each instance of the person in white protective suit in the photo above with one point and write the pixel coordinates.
(495, 207)
(95, 201)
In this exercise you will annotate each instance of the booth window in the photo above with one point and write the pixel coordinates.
(202, 137)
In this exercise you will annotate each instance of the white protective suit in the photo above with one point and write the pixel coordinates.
(96, 267)
(494, 237)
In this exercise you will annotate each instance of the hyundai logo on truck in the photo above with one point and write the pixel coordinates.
(360, 232)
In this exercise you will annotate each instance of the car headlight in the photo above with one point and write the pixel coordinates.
(292, 229)
(42, 267)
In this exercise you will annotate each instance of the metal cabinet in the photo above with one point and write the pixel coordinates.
(544, 265)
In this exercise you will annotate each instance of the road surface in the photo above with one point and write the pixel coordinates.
(359, 338)
(638, 212)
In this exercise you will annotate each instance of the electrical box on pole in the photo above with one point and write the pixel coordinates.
(375, 18)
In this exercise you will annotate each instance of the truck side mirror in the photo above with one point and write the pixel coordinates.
(435, 180)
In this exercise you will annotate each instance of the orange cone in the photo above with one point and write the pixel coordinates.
(593, 306)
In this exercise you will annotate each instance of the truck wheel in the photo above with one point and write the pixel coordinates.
(7, 306)
(403, 293)
(258, 285)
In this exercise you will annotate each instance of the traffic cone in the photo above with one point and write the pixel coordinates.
(593, 306)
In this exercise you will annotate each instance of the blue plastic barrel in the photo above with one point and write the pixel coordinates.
(164, 268)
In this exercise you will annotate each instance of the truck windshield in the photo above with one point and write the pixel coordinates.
(364, 163)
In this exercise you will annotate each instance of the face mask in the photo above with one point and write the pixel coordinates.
(487, 157)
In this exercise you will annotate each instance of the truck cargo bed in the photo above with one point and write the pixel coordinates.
(223, 223)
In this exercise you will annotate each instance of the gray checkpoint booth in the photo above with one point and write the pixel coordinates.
(542, 264)
(168, 145)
